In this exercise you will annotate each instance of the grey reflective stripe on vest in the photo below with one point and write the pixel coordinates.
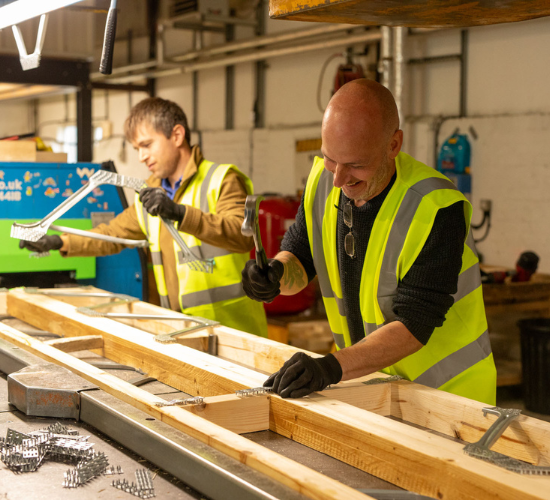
(164, 301)
(156, 257)
(370, 327)
(470, 243)
(456, 363)
(205, 251)
(339, 339)
(145, 220)
(212, 295)
(324, 187)
(204, 187)
(468, 281)
(387, 286)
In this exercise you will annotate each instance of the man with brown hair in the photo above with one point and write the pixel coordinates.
(206, 201)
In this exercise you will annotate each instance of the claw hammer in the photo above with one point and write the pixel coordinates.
(251, 227)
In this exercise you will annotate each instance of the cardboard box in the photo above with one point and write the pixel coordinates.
(25, 151)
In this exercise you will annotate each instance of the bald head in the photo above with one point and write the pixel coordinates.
(366, 103)
(361, 138)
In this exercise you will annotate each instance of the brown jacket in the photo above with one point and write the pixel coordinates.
(222, 229)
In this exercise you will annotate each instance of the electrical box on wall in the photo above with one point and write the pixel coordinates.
(306, 151)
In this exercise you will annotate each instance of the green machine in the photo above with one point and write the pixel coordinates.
(30, 191)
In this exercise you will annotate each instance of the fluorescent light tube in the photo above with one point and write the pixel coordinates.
(22, 10)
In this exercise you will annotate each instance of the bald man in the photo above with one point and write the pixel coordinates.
(389, 239)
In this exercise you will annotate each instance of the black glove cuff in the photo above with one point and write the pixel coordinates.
(180, 212)
(331, 365)
(57, 242)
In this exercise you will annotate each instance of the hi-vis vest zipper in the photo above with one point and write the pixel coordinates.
(218, 296)
(458, 357)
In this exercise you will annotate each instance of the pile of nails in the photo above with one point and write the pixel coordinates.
(143, 488)
(22, 452)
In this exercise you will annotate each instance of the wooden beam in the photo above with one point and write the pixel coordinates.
(260, 354)
(409, 457)
(398, 453)
(377, 398)
(294, 475)
(240, 415)
(178, 366)
(73, 344)
(526, 439)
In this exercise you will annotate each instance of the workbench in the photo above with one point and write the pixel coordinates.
(232, 439)
(46, 482)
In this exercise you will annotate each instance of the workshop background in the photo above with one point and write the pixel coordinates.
(505, 92)
(473, 102)
(260, 107)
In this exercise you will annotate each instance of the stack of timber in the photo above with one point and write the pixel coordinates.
(313, 336)
(505, 304)
(348, 421)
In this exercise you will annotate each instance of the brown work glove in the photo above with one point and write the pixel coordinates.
(44, 244)
(301, 375)
(260, 286)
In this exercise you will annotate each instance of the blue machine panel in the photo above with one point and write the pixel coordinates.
(32, 190)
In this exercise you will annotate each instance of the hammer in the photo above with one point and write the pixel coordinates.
(251, 227)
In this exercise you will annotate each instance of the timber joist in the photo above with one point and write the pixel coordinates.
(404, 433)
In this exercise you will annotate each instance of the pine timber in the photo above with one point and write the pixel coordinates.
(407, 456)
(298, 477)
(255, 352)
(73, 344)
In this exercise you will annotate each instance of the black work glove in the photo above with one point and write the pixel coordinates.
(263, 287)
(44, 244)
(157, 202)
(301, 375)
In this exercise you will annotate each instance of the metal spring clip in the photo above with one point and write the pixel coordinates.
(197, 400)
(254, 391)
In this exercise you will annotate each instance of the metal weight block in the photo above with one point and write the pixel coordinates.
(47, 391)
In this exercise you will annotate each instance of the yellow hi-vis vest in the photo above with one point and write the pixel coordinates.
(219, 295)
(458, 357)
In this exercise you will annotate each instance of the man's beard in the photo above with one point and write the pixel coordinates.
(379, 181)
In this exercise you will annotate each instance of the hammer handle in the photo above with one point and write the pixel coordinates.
(106, 64)
(261, 258)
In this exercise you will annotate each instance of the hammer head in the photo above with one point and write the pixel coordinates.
(251, 209)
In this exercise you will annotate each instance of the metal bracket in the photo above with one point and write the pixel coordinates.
(117, 302)
(31, 61)
(254, 391)
(383, 380)
(195, 401)
(67, 293)
(35, 231)
(93, 236)
(171, 338)
(482, 450)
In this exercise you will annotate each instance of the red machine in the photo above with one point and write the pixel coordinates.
(276, 215)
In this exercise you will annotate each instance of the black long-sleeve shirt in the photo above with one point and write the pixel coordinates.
(424, 295)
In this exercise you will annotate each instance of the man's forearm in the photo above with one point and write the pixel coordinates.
(294, 278)
(380, 349)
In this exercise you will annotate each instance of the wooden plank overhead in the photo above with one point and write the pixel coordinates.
(414, 13)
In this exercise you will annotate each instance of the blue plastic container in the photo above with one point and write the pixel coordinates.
(455, 155)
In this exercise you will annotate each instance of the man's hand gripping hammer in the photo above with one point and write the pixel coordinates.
(251, 227)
